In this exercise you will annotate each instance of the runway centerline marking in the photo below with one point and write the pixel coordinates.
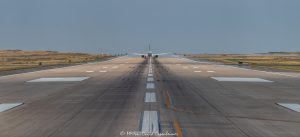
(210, 71)
(8, 106)
(60, 79)
(150, 86)
(102, 71)
(150, 97)
(240, 79)
(150, 75)
(150, 79)
(150, 122)
(197, 71)
(291, 106)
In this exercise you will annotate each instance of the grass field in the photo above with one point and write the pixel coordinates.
(275, 60)
(18, 59)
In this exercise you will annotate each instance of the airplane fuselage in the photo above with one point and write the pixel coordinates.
(150, 54)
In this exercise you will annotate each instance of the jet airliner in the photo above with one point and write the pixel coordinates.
(150, 54)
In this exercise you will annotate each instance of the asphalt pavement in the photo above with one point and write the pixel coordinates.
(165, 96)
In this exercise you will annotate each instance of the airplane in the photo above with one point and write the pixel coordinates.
(150, 54)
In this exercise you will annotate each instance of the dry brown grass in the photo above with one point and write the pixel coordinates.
(18, 59)
(278, 61)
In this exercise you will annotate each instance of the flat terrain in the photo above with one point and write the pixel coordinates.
(188, 101)
(18, 59)
(277, 60)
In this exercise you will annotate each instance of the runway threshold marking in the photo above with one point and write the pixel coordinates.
(60, 79)
(8, 106)
(150, 86)
(150, 122)
(291, 106)
(240, 79)
(150, 97)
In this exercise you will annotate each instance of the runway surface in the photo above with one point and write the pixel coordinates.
(166, 96)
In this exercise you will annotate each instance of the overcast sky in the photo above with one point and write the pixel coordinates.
(185, 26)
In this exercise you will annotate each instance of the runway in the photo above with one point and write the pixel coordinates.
(165, 96)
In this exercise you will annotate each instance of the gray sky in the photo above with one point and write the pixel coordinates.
(186, 26)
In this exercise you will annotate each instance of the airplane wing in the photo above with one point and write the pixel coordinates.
(159, 54)
(139, 54)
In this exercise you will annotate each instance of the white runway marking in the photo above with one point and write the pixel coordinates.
(150, 97)
(110, 60)
(195, 67)
(103, 71)
(7, 106)
(150, 86)
(291, 106)
(239, 79)
(197, 71)
(150, 75)
(60, 79)
(210, 71)
(150, 79)
(89, 71)
(268, 72)
(150, 122)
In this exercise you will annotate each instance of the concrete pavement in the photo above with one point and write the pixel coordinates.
(167, 96)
